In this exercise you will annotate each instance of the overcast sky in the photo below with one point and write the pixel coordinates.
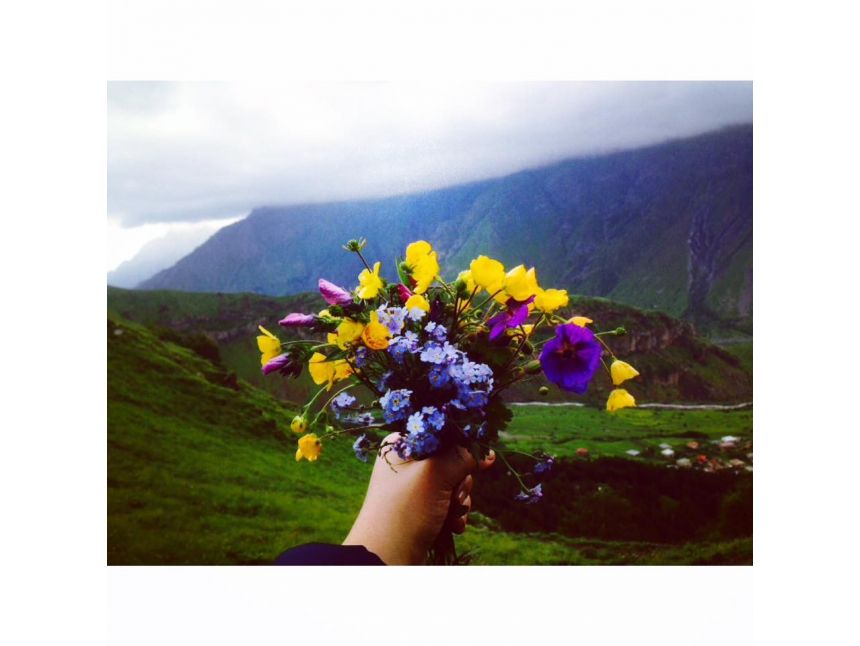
(183, 153)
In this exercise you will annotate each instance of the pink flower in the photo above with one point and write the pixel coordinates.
(333, 294)
(403, 292)
(298, 320)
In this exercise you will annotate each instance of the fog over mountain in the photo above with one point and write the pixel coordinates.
(667, 226)
(159, 254)
(185, 152)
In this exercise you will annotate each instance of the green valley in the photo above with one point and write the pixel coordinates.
(201, 467)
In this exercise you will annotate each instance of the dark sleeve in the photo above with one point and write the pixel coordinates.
(325, 554)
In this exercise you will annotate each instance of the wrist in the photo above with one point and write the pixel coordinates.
(391, 544)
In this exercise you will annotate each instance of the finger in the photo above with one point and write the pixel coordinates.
(457, 464)
(467, 503)
(488, 461)
(458, 526)
(465, 488)
(459, 523)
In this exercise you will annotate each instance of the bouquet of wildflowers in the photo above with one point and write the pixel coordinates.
(433, 358)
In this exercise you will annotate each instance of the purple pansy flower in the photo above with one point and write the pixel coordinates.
(571, 358)
(298, 320)
(333, 294)
(515, 314)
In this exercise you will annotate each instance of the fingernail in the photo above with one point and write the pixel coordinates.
(462, 495)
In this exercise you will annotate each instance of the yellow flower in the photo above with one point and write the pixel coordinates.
(417, 250)
(327, 372)
(549, 300)
(425, 272)
(310, 448)
(581, 321)
(618, 399)
(466, 277)
(417, 300)
(348, 332)
(423, 263)
(521, 284)
(621, 371)
(369, 282)
(488, 273)
(269, 345)
(375, 335)
(299, 424)
(342, 370)
(321, 369)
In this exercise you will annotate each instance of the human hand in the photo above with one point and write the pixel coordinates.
(408, 503)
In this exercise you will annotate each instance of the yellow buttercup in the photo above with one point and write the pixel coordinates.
(310, 448)
(487, 273)
(466, 277)
(324, 371)
(269, 345)
(423, 263)
(618, 399)
(621, 371)
(375, 335)
(521, 284)
(549, 300)
(348, 332)
(369, 282)
(299, 424)
(417, 300)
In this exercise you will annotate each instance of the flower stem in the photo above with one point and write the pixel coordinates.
(488, 299)
(308, 405)
(360, 255)
(331, 399)
(608, 349)
(513, 471)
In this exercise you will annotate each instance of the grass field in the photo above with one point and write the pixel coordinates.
(201, 471)
(562, 430)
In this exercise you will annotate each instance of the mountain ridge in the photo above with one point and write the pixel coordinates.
(665, 227)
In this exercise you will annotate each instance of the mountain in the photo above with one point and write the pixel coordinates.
(666, 227)
(676, 365)
(158, 254)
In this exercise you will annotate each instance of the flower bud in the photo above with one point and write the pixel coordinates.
(299, 424)
(533, 367)
(333, 294)
(355, 245)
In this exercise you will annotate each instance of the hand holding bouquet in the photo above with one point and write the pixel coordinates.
(435, 357)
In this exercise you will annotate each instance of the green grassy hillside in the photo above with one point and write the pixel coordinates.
(201, 470)
(676, 365)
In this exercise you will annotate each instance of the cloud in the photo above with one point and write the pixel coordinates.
(187, 152)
